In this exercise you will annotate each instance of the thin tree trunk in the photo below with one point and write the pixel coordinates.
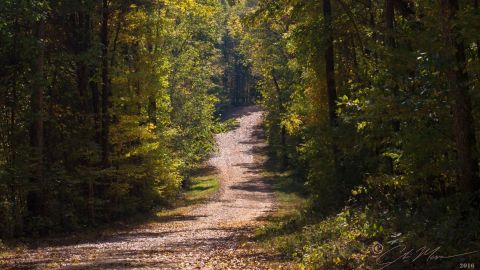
(86, 82)
(37, 94)
(390, 44)
(14, 94)
(475, 3)
(330, 64)
(463, 124)
(82, 84)
(152, 109)
(283, 134)
(35, 200)
(332, 90)
(137, 92)
(82, 45)
(105, 87)
(96, 107)
(17, 192)
(389, 23)
(97, 138)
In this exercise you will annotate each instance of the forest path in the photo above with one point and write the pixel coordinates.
(207, 237)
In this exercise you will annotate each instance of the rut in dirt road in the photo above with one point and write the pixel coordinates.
(205, 238)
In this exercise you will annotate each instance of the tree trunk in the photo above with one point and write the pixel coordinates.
(97, 138)
(332, 92)
(17, 192)
(95, 107)
(390, 43)
(35, 200)
(81, 46)
(463, 124)
(389, 23)
(84, 82)
(152, 109)
(475, 4)
(105, 87)
(283, 134)
(283, 141)
(330, 64)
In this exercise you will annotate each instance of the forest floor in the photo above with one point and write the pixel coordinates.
(216, 234)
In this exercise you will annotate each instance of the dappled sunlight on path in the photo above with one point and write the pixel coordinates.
(207, 237)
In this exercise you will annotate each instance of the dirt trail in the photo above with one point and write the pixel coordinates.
(205, 238)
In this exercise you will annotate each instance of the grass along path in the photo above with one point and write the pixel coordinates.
(210, 235)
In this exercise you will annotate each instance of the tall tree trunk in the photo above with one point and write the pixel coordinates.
(85, 75)
(463, 124)
(105, 87)
(283, 132)
(17, 193)
(475, 4)
(390, 43)
(98, 139)
(332, 92)
(330, 64)
(35, 200)
(96, 107)
(389, 23)
(82, 45)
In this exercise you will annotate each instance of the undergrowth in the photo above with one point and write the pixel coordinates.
(370, 233)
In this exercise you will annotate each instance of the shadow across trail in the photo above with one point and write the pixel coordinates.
(208, 236)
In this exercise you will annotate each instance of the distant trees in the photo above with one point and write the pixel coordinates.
(239, 82)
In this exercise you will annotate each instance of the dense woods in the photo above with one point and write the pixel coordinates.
(383, 90)
(106, 106)
(374, 106)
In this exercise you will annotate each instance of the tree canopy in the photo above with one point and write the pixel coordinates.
(108, 106)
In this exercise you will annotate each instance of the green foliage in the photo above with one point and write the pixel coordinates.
(201, 188)
(121, 131)
(110, 110)
(226, 125)
(352, 237)
(397, 131)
